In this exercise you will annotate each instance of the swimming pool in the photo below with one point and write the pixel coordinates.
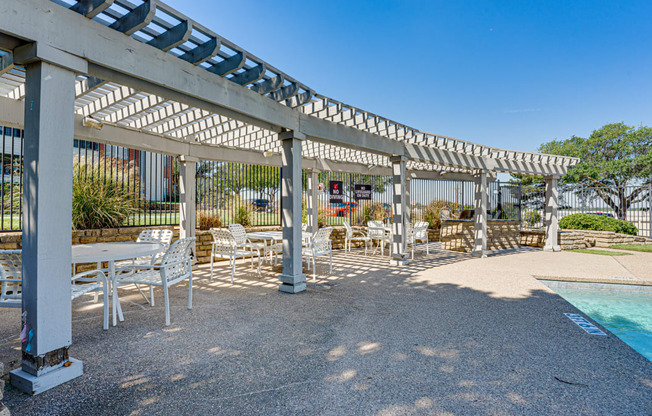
(627, 314)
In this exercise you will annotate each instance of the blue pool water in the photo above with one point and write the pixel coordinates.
(628, 315)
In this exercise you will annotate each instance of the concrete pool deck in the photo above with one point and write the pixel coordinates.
(447, 334)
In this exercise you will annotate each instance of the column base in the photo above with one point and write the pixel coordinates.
(400, 260)
(552, 248)
(479, 254)
(31, 384)
(292, 283)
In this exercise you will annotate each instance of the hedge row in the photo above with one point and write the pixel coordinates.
(597, 223)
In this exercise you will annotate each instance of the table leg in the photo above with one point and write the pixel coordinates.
(115, 302)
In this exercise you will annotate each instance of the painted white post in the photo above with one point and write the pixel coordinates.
(187, 189)
(47, 225)
(408, 200)
(293, 280)
(313, 201)
(399, 252)
(552, 215)
(480, 217)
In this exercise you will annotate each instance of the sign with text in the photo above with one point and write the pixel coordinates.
(362, 192)
(336, 192)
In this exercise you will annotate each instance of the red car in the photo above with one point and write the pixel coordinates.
(341, 209)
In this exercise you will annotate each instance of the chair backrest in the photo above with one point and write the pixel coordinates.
(223, 241)
(304, 226)
(239, 233)
(11, 288)
(156, 236)
(176, 262)
(321, 240)
(409, 230)
(349, 230)
(376, 229)
(421, 230)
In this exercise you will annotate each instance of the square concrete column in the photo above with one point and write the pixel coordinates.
(313, 201)
(552, 215)
(187, 191)
(480, 217)
(47, 225)
(293, 280)
(399, 252)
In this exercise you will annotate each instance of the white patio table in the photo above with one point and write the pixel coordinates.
(112, 252)
(270, 237)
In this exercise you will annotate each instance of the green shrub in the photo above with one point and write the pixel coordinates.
(100, 200)
(597, 223)
(243, 216)
(532, 218)
(374, 211)
(432, 212)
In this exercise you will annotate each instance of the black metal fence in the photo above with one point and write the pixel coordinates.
(250, 194)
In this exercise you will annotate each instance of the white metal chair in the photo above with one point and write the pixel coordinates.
(240, 235)
(421, 234)
(82, 283)
(319, 245)
(351, 236)
(377, 232)
(163, 237)
(304, 226)
(175, 266)
(10, 278)
(225, 246)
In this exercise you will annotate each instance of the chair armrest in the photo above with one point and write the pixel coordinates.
(81, 277)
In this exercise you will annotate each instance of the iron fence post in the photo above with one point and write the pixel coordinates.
(649, 207)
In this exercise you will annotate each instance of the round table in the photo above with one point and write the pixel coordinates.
(112, 252)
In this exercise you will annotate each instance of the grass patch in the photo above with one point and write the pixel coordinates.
(647, 248)
(599, 252)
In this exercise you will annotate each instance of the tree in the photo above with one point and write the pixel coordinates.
(616, 161)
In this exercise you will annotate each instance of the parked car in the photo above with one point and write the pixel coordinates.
(261, 205)
(601, 213)
(341, 209)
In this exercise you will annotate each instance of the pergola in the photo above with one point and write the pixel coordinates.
(142, 75)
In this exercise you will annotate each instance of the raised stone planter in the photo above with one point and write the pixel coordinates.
(577, 239)
(458, 235)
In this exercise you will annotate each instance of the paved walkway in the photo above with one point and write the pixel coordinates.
(445, 335)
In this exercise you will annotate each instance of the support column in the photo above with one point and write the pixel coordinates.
(552, 215)
(313, 201)
(293, 280)
(408, 200)
(47, 225)
(480, 217)
(187, 190)
(399, 252)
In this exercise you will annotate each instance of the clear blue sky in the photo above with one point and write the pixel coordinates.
(506, 74)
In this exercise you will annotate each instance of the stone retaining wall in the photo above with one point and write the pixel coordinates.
(576, 239)
(458, 235)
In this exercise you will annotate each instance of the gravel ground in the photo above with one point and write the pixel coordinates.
(446, 335)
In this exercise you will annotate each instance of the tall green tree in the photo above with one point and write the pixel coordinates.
(616, 161)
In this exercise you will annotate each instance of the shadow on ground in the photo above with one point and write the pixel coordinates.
(368, 339)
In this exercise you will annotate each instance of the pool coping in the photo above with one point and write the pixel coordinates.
(609, 281)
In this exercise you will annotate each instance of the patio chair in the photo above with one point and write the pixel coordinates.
(175, 266)
(418, 232)
(240, 235)
(82, 283)
(319, 245)
(10, 278)
(148, 236)
(376, 232)
(225, 246)
(421, 234)
(351, 236)
(304, 226)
